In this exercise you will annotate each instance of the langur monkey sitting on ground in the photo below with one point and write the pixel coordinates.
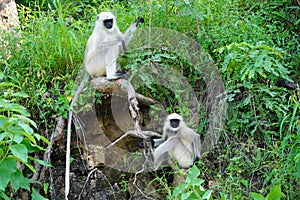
(103, 46)
(178, 142)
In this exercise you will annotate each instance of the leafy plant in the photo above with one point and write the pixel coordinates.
(150, 74)
(252, 63)
(192, 189)
(274, 194)
(123, 183)
(17, 143)
(252, 42)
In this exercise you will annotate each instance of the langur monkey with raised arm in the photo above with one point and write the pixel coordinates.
(178, 143)
(103, 46)
(101, 53)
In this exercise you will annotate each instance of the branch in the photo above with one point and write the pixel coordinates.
(133, 133)
(117, 87)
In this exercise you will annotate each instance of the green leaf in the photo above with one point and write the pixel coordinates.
(26, 127)
(197, 181)
(193, 173)
(20, 151)
(30, 167)
(9, 164)
(193, 195)
(3, 196)
(20, 94)
(17, 179)
(26, 119)
(35, 195)
(5, 84)
(4, 178)
(298, 166)
(275, 193)
(30, 148)
(179, 189)
(41, 162)
(257, 196)
(18, 138)
(3, 122)
(45, 140)
(29, 136)
(207, 194)
(5, 105)
(185, 195)
(46, 188)
(26, 183)
(3, 135)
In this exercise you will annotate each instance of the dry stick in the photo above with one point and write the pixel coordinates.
(37, 168)
(134, 110)
(55, 136)
(133, 133)
(135, 178)
(108, 183)
(133, 106)
(87, 179)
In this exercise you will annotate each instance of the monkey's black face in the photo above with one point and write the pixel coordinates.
(108, 23)
(174, 123)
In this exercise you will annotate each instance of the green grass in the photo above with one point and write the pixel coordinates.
(252, 42)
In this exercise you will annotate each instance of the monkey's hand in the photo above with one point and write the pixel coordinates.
(149, 140)
(139, 20)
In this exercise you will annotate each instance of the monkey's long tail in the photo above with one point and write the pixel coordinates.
(73, 102)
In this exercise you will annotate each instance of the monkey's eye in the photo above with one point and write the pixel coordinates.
(174, 123)
(108, 23)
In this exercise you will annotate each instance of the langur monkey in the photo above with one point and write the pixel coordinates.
(178, 142)
(103, 46)
(171, 126)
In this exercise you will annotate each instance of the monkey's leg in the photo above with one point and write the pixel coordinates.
(112, 73)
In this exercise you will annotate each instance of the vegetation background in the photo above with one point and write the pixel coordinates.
(253, 44)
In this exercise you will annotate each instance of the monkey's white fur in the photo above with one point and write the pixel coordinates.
(181, 144)
(168, 131)
(103, 47)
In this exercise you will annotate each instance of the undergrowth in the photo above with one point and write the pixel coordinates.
(253, 43)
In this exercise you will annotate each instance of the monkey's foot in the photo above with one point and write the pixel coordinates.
(119, 74)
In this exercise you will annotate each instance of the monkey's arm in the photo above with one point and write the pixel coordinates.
(124, 48)
(161, 153)
(192, 138)
(157, 142)
(90, 53)
(130, 31)
(196, 148)
(105, 44)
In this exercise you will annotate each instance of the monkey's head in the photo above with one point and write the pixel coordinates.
(174, 121)
(106, 20)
